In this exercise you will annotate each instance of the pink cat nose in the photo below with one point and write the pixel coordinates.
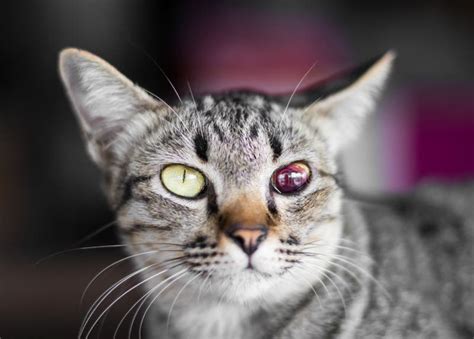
(248, 238)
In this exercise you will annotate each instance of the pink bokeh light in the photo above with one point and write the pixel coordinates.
(266, 51)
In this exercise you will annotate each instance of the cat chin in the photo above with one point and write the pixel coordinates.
(250, 288)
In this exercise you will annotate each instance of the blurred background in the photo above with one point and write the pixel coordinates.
(50, 196)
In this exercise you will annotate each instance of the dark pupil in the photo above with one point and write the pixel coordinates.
(290, 178)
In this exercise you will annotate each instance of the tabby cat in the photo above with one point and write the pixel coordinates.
(232, 209)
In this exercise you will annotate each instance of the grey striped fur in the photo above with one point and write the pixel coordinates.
(330, 268)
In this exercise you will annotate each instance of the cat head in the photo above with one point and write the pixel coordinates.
(233, 191)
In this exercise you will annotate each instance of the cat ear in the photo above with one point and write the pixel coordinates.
(340, 105)
(104, 101)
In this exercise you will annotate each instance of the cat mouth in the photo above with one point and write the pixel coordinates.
(249, 264)
(259, 274)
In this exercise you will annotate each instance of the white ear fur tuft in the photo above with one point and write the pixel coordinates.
(104, 100)
(339, 116)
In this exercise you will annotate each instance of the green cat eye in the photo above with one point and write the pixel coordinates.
(183, 181)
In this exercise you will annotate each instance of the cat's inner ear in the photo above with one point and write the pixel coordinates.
(337, 107)
(104, 100)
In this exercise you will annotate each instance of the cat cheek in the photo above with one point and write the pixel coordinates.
(265, 259)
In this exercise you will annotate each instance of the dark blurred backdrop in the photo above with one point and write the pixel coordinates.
(50, 195)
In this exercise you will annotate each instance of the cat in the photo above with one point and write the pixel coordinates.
(232, 209)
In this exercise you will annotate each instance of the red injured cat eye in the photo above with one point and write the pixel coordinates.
(291, 178)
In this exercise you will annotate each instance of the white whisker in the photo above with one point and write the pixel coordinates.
(343, 282)
(155, 298)
(295, 90)
(77, 249)
(341, 296)
(114, 302)
(148, 55)
(221, 298)
(195, 104)
(170, 108)
(204, 283)
(102, 322)
(142, 300)
(309, 285)
(94, 233)
(339, 247)
(113, 246)
(96, 304)
(114, 286)
(109, 267)
(171, 84)
(319, 280)
(360, 269)
(176, 299)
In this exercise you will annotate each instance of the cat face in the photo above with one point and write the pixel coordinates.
(237, 191)
(238, 223)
